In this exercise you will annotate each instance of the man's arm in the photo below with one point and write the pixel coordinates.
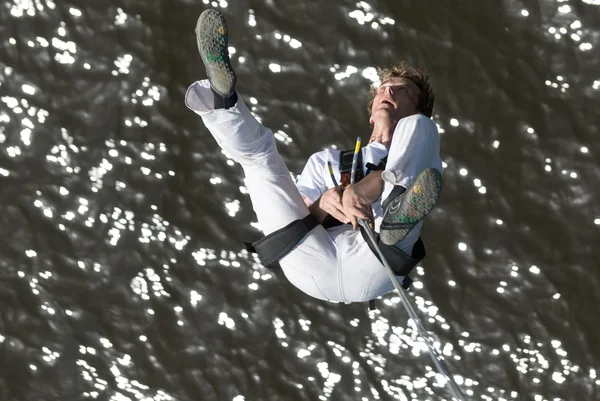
(370, 187)
(330, 202)
(311, 183)
(354, 200)
(358, 198)
(342, 204)
(320, 200)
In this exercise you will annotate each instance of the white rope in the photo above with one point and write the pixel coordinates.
(411, 309)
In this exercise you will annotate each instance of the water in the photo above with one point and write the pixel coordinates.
(122, 273)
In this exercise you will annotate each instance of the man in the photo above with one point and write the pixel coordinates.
(334, 263)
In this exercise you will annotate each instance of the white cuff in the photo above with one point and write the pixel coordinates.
(397, 178)
(199, 97)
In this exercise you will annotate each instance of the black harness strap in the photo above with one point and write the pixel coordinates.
(346, 158)
(273, 247)
(381, 166)
(399, 261)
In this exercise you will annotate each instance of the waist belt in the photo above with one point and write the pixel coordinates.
(273, 247)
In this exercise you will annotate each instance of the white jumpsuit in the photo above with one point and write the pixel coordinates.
(332, 264)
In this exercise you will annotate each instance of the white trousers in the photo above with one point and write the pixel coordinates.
(334, 264)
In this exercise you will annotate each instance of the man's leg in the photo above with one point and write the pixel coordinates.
(275, 198)
(412, 165)
(253, 146)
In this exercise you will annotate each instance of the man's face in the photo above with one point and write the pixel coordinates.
(396, 98)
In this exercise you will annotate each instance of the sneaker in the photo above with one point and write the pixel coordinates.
(211, 36)
(406, 210)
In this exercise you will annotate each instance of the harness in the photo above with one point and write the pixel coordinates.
(273, 247)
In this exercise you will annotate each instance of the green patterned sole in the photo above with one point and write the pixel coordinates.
(212, 39)
(405, 212)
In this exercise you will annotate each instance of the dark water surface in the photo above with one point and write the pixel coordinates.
(120, 218)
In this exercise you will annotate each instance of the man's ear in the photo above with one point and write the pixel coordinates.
(371, 120)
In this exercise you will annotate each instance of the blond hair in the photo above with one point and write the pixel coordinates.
(418, 76)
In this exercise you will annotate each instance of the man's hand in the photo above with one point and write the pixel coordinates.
(329, 203)
(356, 204)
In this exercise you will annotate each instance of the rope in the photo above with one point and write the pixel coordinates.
(411, 309)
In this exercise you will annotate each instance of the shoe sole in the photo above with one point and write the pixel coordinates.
(212, 38)
(407, 210)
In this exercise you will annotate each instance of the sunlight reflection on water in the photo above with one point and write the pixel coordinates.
(98, 191)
